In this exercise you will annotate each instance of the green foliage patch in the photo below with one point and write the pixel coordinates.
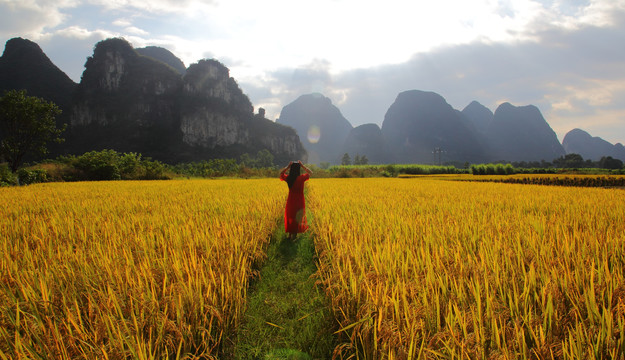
(288, 317)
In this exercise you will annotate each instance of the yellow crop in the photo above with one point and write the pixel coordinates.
(414, 268)
(419, 268)
(142, 270)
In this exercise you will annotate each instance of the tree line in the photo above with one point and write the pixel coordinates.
(27, 126)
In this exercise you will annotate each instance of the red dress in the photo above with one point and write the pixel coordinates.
(295, 212)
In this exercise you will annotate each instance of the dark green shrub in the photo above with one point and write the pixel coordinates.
(391, 170)
(27, 177)
(7, 178)
(509, 169)
(99, 165)
(154, 170)
(130, 166)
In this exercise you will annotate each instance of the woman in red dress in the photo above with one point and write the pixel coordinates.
(295, 211)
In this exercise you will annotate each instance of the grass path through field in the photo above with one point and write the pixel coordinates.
(288, 317)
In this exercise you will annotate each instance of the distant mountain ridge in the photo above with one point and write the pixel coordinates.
(422, 127)
(580, 142)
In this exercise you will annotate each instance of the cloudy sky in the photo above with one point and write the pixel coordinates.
(567, 57)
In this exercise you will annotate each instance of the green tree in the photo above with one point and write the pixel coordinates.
(610, 163)
(569, 161)
(27, 125)
(346, 160)
(264, 159)
(246, 160)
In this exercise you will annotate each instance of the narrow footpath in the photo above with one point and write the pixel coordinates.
(288, 317)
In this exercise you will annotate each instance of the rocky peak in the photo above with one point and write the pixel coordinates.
(126, 102)
(105, 69)
(165, 56)
(521, 133)
(578, 141)
(24, 65)
(210, 79)
(479, 115)
(419, 123)
(116, 67)
(23, 49)
(319, 124)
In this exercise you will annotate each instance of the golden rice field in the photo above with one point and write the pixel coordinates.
(414, 268)
(419, 268)
(129, 270)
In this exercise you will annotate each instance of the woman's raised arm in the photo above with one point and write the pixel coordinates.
(286, 168)
(304, 167)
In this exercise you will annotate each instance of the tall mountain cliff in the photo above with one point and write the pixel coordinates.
(420, 125)
(126, 102)
(522, 134)
(130, 102)
(367, 140)
(580, 142)
(216, 115)
(319, 124)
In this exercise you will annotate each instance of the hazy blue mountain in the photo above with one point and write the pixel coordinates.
(419, 126)
(319, 124)
(165, 56)
(367, 140)
(578, 141)
(522, 134)
(479, 115)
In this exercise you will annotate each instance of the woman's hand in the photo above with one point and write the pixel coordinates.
(304, 167)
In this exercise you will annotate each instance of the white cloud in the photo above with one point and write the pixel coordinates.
(122, 22)
(77, 32)
(30, 18)
(135, 31)
(157, 6)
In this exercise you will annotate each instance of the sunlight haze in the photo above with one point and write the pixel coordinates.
(564, 56)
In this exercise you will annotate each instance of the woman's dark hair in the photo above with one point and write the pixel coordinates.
(294, 172)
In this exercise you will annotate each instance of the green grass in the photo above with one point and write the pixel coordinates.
(288, 317)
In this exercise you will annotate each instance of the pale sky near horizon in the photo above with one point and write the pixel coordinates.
(567, 57)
